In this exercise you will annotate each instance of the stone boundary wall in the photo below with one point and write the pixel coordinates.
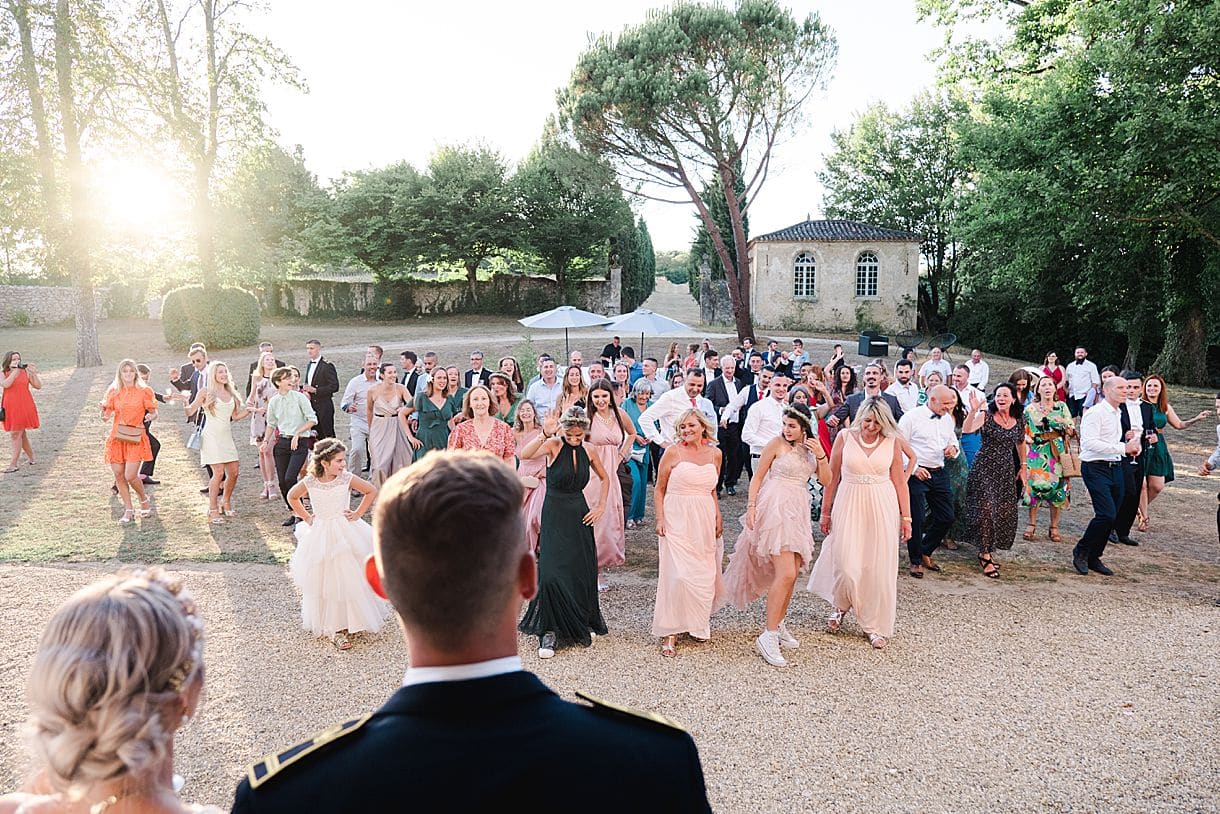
(42, 304)
(511, 294)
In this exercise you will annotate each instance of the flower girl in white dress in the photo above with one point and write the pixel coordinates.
(333, 544)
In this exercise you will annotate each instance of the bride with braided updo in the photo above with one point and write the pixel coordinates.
(118, 671)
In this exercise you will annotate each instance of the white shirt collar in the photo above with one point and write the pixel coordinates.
(462, 672)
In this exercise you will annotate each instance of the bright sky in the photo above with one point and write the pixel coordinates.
(392, 81)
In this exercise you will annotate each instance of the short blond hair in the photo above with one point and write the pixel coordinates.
(709, 429)
(108, 683)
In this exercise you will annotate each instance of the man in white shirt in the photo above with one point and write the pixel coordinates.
(721, 392)
(936, 361)
(905, 389)
(355, 397)
(546, 391)
(1101, 452)
(1082, 377)
(798, 356)
(972, 399)
(1136, 422)
(929, 430)
(430, 362)
(980, 372)
(766, 418)
(477, 373)
(662, 415)
(657, 383)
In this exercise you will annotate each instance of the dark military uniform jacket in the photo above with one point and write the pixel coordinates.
(502, 743)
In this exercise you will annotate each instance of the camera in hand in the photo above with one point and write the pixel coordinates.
(22, 365)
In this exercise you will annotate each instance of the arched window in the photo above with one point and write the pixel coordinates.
(804, 274)
(867, 268)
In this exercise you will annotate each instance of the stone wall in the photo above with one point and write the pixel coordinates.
(41, 304)
(834, 305)
(715, 308)
(509, 294)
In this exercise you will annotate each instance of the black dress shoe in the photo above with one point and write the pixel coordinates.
(1127, 541)
(732, 490)
(1113, 538)
(1081, 564)
(151, 482)
(291, 521)
(203, 491)
(1099, 567)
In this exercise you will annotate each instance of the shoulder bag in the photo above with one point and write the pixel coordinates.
(1069, 461)
(128, 434)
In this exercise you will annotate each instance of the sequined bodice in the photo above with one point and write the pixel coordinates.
(797, 466)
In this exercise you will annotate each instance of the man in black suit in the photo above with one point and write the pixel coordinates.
(1136, 417)
(409, 377)
(612, 352)
(872, 388)
(189, 378)
(320, 381)
(470, 730)
(477, 373)
(263, 347)
(745, 400)
(720, 391)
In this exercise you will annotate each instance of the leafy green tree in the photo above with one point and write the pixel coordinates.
(274, 218)
(697, 92)
(374, 218)
(570, 205)
(638, 264)
(465, 211)
(1096, 150)
(703, 248)
(903, 170)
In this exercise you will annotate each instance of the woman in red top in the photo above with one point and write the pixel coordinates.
(20, 414)
(1052, 368)
(128, 401)
(481, 430)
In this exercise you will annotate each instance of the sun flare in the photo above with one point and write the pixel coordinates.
(137, 197)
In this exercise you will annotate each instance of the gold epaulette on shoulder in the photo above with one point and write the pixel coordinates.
(272, 764)
(655, 717)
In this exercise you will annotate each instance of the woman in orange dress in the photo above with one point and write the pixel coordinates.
(20, 414)
(128, 401)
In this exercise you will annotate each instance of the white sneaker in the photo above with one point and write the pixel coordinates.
(768, 647)
(786, 639)
(546, 646)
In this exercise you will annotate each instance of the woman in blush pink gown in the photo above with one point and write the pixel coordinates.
(776, 539)
(611, 433)
(532, 471)
(865, 511)
(690, 542)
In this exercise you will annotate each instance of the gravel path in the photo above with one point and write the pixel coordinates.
(1059, 695)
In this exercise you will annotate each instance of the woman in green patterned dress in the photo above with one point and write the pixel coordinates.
(1158, 465)
(1048, 426)
(957, 469)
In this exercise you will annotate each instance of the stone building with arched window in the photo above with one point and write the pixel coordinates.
(834, 275)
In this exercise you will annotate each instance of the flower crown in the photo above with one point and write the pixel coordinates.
(178, 678)
(805, 420)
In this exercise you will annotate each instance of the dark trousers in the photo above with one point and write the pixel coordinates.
(731, 458)
(1106, 483)
(1075, 406)
(623, 473)
(1133, 482)
(146, 468)
(934, 493)
(288, 462)
(655, 451)
(747, 461)
(325, 409)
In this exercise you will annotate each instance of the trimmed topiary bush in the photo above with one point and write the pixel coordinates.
(220, 318)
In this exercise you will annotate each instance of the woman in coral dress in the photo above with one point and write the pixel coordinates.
(482, 430)
(690, 529)
(333, 544)
(20, 413)
(776, 539)
(532, 471)
(127, 402)
(865, 512)
(611, 434)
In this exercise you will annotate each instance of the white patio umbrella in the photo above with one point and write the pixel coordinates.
(565, 316)
(647, 322)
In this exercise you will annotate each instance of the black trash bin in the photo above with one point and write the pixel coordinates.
(873, 344)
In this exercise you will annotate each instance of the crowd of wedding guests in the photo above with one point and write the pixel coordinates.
(591, 441)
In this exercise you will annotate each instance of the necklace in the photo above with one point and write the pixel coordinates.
(869, 444)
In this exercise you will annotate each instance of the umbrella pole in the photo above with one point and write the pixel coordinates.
(641, 345)
(566, 351)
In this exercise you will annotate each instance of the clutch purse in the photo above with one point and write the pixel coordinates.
(529, 481)
(128, 434)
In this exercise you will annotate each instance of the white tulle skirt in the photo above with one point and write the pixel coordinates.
(328, 569)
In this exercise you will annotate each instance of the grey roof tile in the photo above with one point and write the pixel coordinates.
(837, 230)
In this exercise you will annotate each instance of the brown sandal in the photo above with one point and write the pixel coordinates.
(1053, 534)
(1029, 532)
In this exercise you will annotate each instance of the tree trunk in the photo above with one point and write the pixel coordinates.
(205, 242)
(78, 232)
(1183, 358)
(472, 278)
(738, 277)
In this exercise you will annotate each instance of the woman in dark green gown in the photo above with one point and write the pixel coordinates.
(565, 612)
